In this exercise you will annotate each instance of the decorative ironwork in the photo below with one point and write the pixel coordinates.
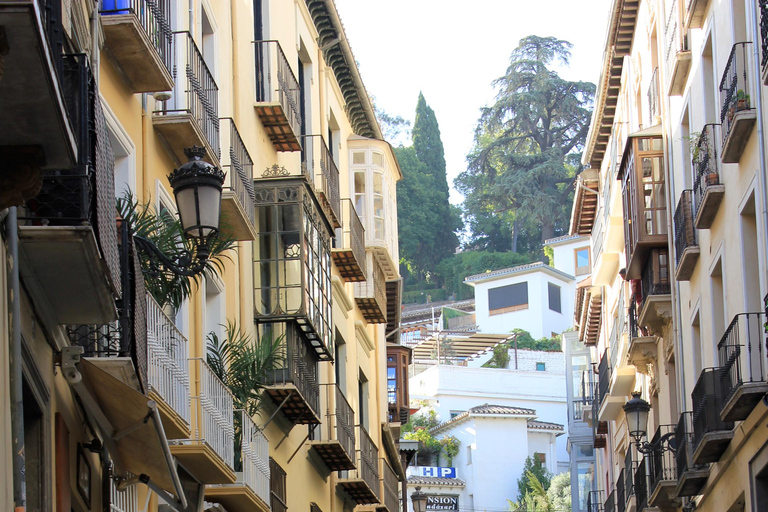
(299, 363)
(706, 165)
(744, 336)
(662, 456)
(685, 232)
(275, 81)
(734, 86)
(275, 171)
(707, 398)
(241, 172)
(655, 276)
(621, 492)
(389, 479)
(764, 31)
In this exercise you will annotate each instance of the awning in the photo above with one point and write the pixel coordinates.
(127, 419)
(584, 205)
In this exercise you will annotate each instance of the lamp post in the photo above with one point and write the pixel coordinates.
(197, 187)
(637, 411)
(419, 500)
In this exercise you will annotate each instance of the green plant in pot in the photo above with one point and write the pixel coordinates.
(742, 100)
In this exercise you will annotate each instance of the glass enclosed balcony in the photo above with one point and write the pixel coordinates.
(292, 267)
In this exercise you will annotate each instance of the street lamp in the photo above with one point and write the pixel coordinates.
(637, 411)
(419, 500)
(197, 187)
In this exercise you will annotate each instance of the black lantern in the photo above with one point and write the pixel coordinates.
(419, 500)
(197, 186)
(637, 411)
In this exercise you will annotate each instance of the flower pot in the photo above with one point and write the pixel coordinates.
(713, 179)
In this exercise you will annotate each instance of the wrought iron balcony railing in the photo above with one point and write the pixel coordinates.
(763, 31)
(604, 376)
(371, 295)
(662, 462)
(595, 501)
(389, 486)
(734, 87)
(349, 245)
(168, 356)
(621, 492)
(690, 476)
(368, 463)
(239, 180)
(630, 467)
(707, 398)
(742, 367)
(610, 502)
(214, 413)
(706, 176)
(321, 169)
(195, 91)
(334, 440)
(641, 485)
(686, 238)
(278, 96)
(254, 457)
(654, 100)
(655, 276)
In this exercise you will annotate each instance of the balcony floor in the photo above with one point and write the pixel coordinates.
(333, 455)
(296, 409)
(234, 220)
(236, 498)
(736, 141)
(712, 446)
(691, 482)
(132, 48)
(743, 401)
(371, 310)
(174, 425)
(710, 203)
(180, 130)
(278, 128)
(204, 463)
(350, 270)
(663, 495)
(359, 491)
(687, 263)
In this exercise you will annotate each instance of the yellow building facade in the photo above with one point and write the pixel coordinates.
(675, 203)
(121, 409)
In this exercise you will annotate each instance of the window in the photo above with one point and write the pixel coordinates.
(506, 299)
(540, 458)
(554, 297)
(541, 367)
(456, 413)
(362, 400)
(277, 487)
(392, 385)
(371, 192)
(209, 42)
(34, 438)
(582, 261)
(340, 362)
(469, 454)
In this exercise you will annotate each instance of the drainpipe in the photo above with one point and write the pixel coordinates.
(760, 133)
(17, 399)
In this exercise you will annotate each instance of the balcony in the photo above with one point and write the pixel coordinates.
(318, 164)
(335, 438)
(642, 347)
(168, 371)
(708, 190)
(656, 304)
(610, 502)
(37, 97)
(278, 96)
(610, 406)
(191, 116)
(139, 38)
(277, 487)
(293, 261)
(742, 367)
(209, 454)
(294, 388)
(621, 493)
(686, 240)
(595, 501)
(70, 223)
(238, 213)
(250, 492)
(690, 477)
(641, 485)
(737, 115)
(371, 295)
(389, 488)
(644, 198)
(362, 483)
(711, 435)
(626, 488)
(694, 13)
(678, 55)
(349, 248)
(622, 374)
(662, 473)
(764, 40)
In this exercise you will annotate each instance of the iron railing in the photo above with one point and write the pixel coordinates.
(634, 330)
(276, 83)
(240, 166)
(629, 475)
(706, 165)
(621, 492)
(389, 481)
(684, 446)
(763, 31)
(299, 366)
(168, 354)
(610, 502)
(340, 420)
(685, 231)
(708, 401)
(655, 281)
(215, 413)
(604, 376)
(654, 102)
(734, 86)
(614, 340)
(641, 485)
(375, 286)
(367, 466)
(322, 170)
(595, 501)
(352, 233)
(254, 457)
(195, 91)
(740, 353)
(277, 487)
(154, 17)
(662, 462)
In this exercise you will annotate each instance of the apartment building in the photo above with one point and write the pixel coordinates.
(675, 204)
(109, 401)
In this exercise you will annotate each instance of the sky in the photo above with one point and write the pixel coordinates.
(452, 50)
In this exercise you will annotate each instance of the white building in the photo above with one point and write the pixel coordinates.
(535, 297)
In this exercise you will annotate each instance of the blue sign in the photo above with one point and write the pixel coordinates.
(434, 472)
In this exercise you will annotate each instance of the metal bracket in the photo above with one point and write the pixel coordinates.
(290, 393)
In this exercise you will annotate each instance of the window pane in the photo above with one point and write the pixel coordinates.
(378, 159)
(378, 183)
(359, 182)
(358, 157)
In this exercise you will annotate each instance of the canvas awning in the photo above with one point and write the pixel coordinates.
(127, 419)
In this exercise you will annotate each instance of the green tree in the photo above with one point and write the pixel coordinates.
(527, 143)
(559, 492)
(453, 270)
(557, 498)
(534, 475)
(426, 220)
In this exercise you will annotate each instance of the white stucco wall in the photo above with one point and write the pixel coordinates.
(564, 254)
